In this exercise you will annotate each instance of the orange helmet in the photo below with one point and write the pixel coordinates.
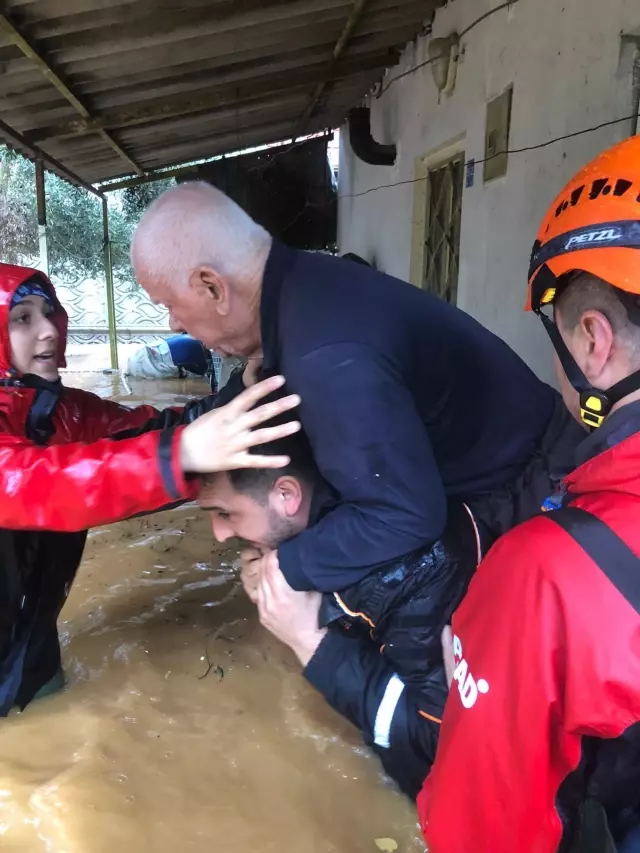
(593, 225)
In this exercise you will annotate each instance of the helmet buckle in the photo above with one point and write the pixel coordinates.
(594, 407)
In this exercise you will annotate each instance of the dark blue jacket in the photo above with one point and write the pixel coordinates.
(406, 401)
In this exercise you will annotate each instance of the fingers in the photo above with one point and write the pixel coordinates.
(249, 555)
(249, 460)
(268, 434)
(267, 582)
(270, 410)
(262, 598)
(250, 580)
(250, 396)
(235, 434)
(250, 569)
(251, 586)
(272, 577)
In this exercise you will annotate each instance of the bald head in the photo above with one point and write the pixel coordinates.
(197, 252)
(195, 224)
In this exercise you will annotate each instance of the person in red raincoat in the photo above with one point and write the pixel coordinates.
(540, 743)
(70, 460)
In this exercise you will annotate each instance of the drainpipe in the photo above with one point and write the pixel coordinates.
(363, 145)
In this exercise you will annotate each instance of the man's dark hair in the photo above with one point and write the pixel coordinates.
(582, 292)
(258, 482)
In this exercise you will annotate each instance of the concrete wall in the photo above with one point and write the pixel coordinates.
(568, 70)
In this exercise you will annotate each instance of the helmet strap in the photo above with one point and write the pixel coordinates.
(595, 404)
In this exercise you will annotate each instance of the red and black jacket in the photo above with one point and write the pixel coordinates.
(543, 718)
(69, 460)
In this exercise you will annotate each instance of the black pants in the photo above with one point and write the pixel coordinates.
(381, 664)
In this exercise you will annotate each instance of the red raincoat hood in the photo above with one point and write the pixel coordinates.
(11, 277)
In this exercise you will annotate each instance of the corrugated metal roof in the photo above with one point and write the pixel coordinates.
(108, 87)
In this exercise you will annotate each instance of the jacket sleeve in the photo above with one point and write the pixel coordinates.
(352, 676)
(393, 717)
(371, 445)
(106, 419)
(75, 486)
(534, 673)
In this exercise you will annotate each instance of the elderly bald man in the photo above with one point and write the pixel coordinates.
(409, 404)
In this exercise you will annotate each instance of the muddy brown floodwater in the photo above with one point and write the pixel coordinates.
(184, 726)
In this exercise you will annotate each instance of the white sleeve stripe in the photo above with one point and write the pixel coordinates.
(386, 710)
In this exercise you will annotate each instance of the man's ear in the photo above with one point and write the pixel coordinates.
(287, 495)
(208, 283)
(596, 341)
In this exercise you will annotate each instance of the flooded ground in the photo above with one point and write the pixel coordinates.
(185, 726)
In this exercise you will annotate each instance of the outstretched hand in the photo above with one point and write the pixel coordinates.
(220, 440)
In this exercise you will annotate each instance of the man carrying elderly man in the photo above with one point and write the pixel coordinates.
(427, 438)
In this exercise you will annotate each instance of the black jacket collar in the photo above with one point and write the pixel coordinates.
(279, 262)
(323, 500)
(620, 425)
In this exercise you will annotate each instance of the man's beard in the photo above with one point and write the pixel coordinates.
(279, 530)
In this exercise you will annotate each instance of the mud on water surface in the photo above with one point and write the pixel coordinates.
(184, 726)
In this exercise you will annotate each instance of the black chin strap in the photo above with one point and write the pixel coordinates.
(595, 404)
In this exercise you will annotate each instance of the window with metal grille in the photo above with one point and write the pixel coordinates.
(442, 240)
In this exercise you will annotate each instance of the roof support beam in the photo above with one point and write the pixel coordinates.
(241, 93)
(176, 171)
(18, 141)
(357, 8)
(14, 35)
(151, 177)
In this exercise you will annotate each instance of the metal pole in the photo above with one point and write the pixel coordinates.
(41, 200)
(108, 268)
(635, 123)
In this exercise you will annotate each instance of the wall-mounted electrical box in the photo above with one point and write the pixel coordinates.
(496, 135)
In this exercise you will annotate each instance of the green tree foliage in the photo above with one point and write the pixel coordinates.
(18, 226)
(137, 199)
(74, 219)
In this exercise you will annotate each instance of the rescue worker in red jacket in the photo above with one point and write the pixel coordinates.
(540, 744)
(70, 460)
